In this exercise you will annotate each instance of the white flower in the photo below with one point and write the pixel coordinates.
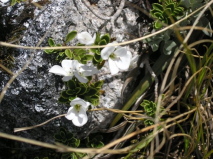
(86, 38)
(118, 58)
(77, 112)
(72, 68)
(4, 1)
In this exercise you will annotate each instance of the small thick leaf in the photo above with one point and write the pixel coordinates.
(102, 42)
(51, 42)
(65, 95)
(158, 25)
(98, 84)
(91, 92)
(88, 57)
(106, 37)
(83, 90)
(157, 6)
(93, 50)
(70, 36)
(71, 92)
(98, 38)
(49, 51)
(171, 6)
(80, 52)
(63, 100)
(97, 58)
(69, 53)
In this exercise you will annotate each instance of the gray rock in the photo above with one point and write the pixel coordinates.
(32, 97)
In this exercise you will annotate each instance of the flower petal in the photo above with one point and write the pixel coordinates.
(71, 114)
(88, 70)
(78, 101)
(82, 112)
(79, 121)
(68, 65)
(113, 67)
(67, 78)
(124, 61)
(80, 78)
(105, 52)
(122, 51)
(85, 38)
(58, 70)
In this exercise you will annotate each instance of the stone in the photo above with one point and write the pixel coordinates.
(32, 97)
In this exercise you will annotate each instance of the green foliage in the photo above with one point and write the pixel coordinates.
(95, 141)
(82, 55)
(150, 109)
(67, 138)
(100, 40)
(13, 2)
(191, 4)
(167, 12)
(70, 36)
(88, 92)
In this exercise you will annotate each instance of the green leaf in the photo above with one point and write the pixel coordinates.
(63, 100)
(98, 84)
(88, 57)
(71, 92)
(78, 58)
(157, 6)
(69, 53)
(13, 2)
(97, 58)
(91, 92)
(167, 12)
(48, 51)
(98, 38)
(82, 91)
(51, 42)
(158, 25)
(80, 52)
(106, 37)
(171, 6)
(74, 156)
(70, 36)
(65, 95)
(102, 42)
(71, 84)
(71, 98)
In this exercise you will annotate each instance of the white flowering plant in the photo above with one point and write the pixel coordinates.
(79, 65)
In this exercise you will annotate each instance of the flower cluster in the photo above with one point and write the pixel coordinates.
(72, 68)
(119, 58)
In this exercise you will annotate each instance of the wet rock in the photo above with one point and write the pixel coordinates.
(32, 97)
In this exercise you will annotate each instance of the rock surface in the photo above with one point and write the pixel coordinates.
(32, 97)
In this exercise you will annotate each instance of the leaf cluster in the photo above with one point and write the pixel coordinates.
(94, 141)
(88, 92)
(150, 109)
(67, 138)
(81, 55)
(166, 12)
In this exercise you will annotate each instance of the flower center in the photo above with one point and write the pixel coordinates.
(77, 107)
(113, 56)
